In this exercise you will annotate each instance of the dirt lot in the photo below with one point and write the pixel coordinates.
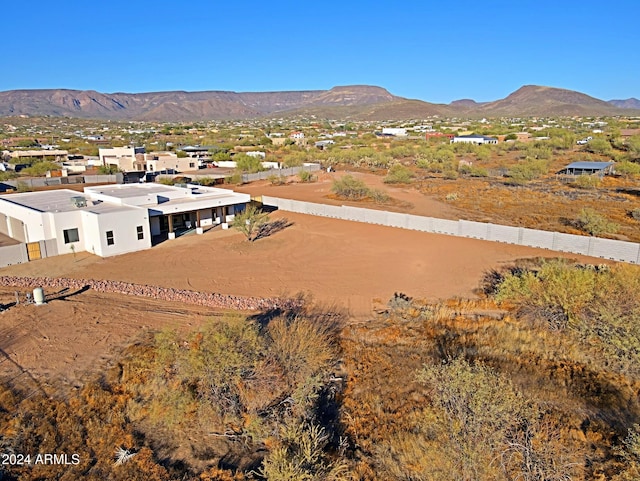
(353, 265)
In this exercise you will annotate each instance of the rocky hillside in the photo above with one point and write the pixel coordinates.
(357, 102)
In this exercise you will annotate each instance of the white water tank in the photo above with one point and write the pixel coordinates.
(38, 296)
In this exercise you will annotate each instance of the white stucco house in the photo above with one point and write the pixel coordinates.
(114, 219)
(474, 139)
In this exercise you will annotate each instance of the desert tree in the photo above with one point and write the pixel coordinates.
(250, 221)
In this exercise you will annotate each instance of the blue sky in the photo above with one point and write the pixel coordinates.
(433, 51)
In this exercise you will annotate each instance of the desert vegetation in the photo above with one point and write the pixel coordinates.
(536, 379)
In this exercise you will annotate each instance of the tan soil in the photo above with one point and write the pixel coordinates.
(350, 264)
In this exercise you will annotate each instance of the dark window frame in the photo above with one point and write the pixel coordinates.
(68, 238)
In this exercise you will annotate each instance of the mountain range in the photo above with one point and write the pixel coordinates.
(355, 102)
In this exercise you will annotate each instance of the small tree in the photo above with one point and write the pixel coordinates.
(249, 222)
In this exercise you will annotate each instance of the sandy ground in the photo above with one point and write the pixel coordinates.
(409, 199)
(353, 265)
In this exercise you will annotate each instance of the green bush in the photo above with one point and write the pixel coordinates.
(306, 176)
(473, 171)
(40, 168)
(247, 163)
(628, 169)
(587, 182)
(277, 179)
(527, 171)
(235, 178)
(595, 224)
(348, 187)
(398, 174)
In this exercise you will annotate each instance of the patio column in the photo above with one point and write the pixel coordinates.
(199, 229)
(172, 234)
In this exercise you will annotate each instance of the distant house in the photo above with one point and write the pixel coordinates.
(323, 144)
(168, 161)
(474, 139)
(296, 135)
(126, 159)
(588, 168)
(394, 132)
(435, 135)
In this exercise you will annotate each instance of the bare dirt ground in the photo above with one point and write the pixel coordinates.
(409, 199)
(353, 265)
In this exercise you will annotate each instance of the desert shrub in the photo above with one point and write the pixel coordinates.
(247, 163)
(587, 182)
(22, 186)
(40, 168)
(554, 294)
(302, 455)
(538, 151)
(635, 213)
(527, 171)
(450, 174)
(108, 169)
(398, 174)
(165, 180)
(306, 176)
(207, 181)
(221, 156)
(628, 169)
(277, 179)
(598, 146)
(235, 178)
(400, 152)
(478, 417)
(473, 171)
(378, 196)
(599, 307)
(348, 187)
(8, 175)
(451, 196)
(593, 223)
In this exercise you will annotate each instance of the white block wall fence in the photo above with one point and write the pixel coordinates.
(556, 241)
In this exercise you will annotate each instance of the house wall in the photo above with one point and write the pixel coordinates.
(123, 224)
(62, 221)
(22, 223)
(166, 162)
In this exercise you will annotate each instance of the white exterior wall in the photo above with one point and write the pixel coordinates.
(61, 221)
(123, 224)
(36, 224)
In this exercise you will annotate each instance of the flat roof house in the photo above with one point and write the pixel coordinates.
(474, 139)
(114, 219)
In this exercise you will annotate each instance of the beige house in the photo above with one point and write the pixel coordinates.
(168, 161)
(126, 159)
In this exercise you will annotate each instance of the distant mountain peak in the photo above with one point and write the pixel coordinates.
(630, 103)
(365, 102)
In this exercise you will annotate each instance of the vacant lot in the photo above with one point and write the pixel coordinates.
(357, 266)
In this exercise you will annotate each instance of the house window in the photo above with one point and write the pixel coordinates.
(140, 232)
(70, 235)
(110, 240)
(192, 164)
